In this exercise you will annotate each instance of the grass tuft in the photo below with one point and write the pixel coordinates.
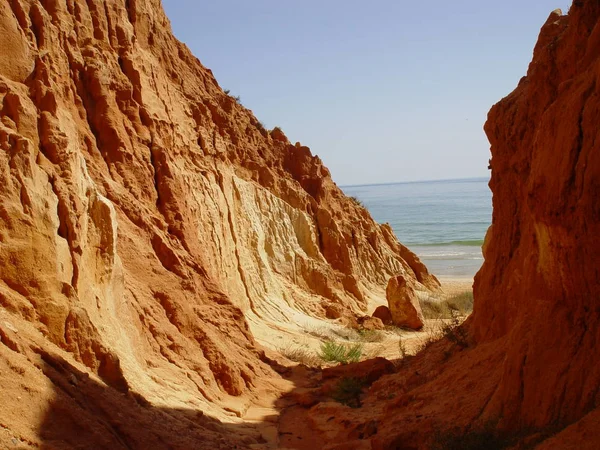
(341, 353)
(454, 332)
(356, 201)
(462, 303)
(434, 308)
(402, 348)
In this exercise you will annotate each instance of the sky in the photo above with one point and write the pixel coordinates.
(383, 91)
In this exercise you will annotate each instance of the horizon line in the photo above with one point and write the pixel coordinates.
(415, 181)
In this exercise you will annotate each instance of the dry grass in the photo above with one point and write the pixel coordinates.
(371, 335)
(300, 355)
(323, 333)
(402, 348)
(462, 302)
(445, 308)
(347, 334)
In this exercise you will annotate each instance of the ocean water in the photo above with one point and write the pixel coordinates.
(443, 222)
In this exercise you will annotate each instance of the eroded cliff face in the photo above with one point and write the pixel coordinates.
(540, 284)
(151, 229)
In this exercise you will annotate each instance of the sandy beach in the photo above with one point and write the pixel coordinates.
(455, 285)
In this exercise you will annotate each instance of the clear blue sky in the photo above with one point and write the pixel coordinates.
(382, 91)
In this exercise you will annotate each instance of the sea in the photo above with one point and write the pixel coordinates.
(444, 222)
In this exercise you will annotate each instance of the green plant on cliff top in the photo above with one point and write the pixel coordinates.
(356, 201)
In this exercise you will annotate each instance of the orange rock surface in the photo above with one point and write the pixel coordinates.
(153, 235)
(403, 304)
(539, 287)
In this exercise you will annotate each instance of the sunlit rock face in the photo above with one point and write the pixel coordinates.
(151, 228)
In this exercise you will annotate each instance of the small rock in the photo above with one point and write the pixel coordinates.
(371, 323)
(383, 313)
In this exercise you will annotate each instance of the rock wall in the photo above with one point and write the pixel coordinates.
(149, 223)
(540, 284)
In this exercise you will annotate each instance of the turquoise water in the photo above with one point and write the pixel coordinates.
(444, 222)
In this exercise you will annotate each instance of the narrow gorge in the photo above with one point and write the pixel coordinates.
(159, 246)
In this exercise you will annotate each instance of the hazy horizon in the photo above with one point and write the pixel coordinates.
(393, 93)
(436, 180)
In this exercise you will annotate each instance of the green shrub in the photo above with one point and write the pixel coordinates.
(334, 352)
(348, 390)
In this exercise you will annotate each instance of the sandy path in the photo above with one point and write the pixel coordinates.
(280, 422)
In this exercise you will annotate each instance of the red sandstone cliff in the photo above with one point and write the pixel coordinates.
(151, 230)
(540, 285)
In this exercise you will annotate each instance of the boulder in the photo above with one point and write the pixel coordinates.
(404, 304)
